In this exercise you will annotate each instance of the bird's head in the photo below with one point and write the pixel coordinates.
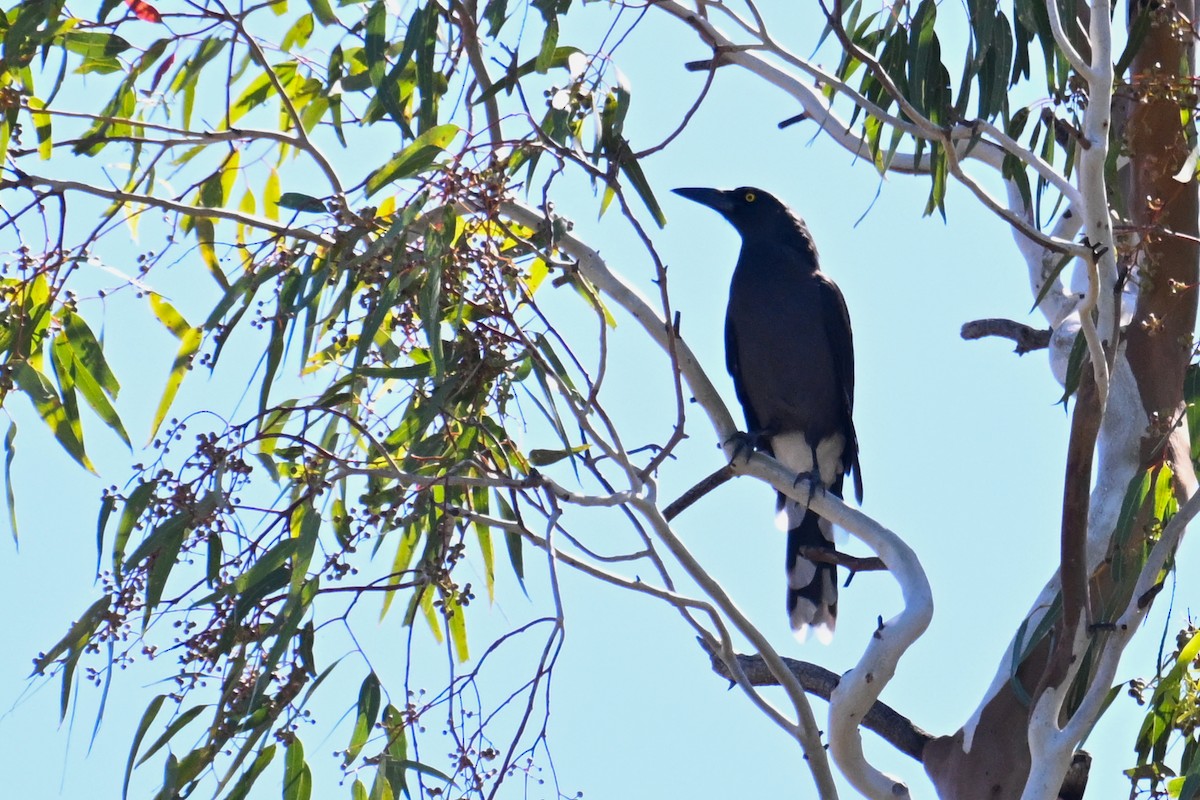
(749, 210)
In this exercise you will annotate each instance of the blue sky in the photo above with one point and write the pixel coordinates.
(962, 455)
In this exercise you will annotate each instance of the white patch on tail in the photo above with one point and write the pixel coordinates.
(806, 615)
(801, 573)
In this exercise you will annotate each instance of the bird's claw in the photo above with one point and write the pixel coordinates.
(814, 481)
(744, 445)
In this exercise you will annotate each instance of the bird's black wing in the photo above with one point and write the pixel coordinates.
(732, 364)
(841, 343)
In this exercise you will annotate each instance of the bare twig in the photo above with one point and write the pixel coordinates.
(852, 563)
(685, 500)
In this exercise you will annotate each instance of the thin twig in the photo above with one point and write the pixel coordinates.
(693, 494)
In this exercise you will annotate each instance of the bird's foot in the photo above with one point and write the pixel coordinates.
(814, 482)
(744, 445)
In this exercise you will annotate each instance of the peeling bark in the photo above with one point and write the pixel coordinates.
(1165, 210)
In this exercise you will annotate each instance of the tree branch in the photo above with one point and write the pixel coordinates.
(53, 186)
(1027, 338)
(895, 728)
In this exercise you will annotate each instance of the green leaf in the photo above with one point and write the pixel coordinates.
(508, 83)
(265, 566)
(1136, 493)
(375, 49)
(400, 563)
(395, 756)
(161, 538)
(206, 237)
(89, 352)
(82, 634)
(513, 543)
(323, 12)
(54, 413)
(423, 601)
(380, 788)
(246, 782)
(297, 777)
(213, 561)
(425, 769)
(271, 195)
(255, 94)
(83, 359)
(1075, 363)
(633, 171)
(1137, 35)
(10, 452)
(428, 64)
(301, 202)
(412, 159)
(107, 505)
(272, 359)
(495, 13)
(94, 44)
(144, 725)
(298, 35)
(544, 458)
(168, 539)
(178, 724)
(545, 55)
(1165, 503)
(306, 525)
(369, 699)
(6, 127)
(135, 505)
(77, 636)
(479, 504)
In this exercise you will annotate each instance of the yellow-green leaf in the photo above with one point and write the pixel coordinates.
(271, 194)
(457, 621)
(168, 316)
(41, 127)
(190, 340)
(431, 615)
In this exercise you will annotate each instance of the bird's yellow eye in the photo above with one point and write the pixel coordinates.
(751, 197)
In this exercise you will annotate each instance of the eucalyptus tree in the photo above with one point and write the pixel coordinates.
(350, 212)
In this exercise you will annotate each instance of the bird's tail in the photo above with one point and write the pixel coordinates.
(812, 587)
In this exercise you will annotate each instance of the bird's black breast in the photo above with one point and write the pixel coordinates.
(779, 324)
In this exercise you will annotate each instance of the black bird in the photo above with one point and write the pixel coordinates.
(790, 351)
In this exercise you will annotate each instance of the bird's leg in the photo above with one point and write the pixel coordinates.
(813, 476)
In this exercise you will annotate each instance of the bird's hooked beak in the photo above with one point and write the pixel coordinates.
(715, 199)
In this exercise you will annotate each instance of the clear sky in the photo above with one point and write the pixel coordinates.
(962, 449)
